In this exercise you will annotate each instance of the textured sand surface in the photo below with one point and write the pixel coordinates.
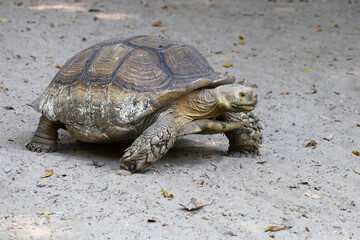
(283, 41)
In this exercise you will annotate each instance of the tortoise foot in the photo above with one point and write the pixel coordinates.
(246, 151)
(40, 147)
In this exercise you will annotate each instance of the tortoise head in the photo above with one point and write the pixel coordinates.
(236, 98)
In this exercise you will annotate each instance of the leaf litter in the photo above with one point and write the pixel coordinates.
(195, 204)
(48, 174)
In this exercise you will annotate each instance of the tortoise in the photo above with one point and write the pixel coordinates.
(148, 90)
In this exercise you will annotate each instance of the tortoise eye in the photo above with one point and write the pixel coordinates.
(242, 94)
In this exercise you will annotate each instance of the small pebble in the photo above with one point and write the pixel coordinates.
(6, 169)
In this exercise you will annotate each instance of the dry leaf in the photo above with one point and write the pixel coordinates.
(157, 24)
(207, 156)
(57, 66)
(48, 174)
(263, 162)
(1, 88)
(18, 3)
(166, 195)
(317, 30)
(358, 124)
(325, 117)
(357, 172)
(357, 153)
(306, 69)
(235, 51)
(242, 42)
(165, 30)
(313, 91)
(253, 85)
(3, 20)
(307, 229)
(41, 154)
(313, 195)
(152, 220)
(329, 138)
(164, 7)
(312, 144)
(47, 213)
(227, 64)
(276, 228)
(284, 93)
(241, 37)
(195, 204)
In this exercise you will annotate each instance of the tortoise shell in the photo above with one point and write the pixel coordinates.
(114, 84)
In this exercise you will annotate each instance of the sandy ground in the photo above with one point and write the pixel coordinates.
(283, 41)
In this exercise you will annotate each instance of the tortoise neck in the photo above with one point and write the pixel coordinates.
(199, 104)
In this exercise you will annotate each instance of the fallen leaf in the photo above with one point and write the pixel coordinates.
(253, 85)
(306, 69)
(329, 138)
(41, 154)
(47, 213)
(3, 20)
(353, 203)
(48, 174)
(307, 229)
(313, 195)
(1, 88)
(195, 204)
(241, 37)
(276, 228)
(312, 144)
(317, 30)
(164, 7)
(165, 30)
(285, 93)
(312, 91)
(357, 153)
(242, 42)
(357, 172)
(207, 156)
(157, 24)
(263, 162)
(18, 3)
(227, 65)
(325, 117)
(94, 10)
(151, 220)
(356, 124)
(57, 66)
(166, 195)
(235, 51)
(9, 108)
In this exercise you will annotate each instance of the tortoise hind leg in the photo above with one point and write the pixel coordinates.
(45, 136)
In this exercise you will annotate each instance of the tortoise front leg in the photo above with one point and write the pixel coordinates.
(244, 140)
(151, 145)
(211, 126)
(45, 136)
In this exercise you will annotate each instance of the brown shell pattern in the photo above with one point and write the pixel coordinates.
(142, 64)
(113, 83)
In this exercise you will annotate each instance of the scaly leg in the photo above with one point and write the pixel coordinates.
(45, 136)
(244, 140)
(151, 145)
